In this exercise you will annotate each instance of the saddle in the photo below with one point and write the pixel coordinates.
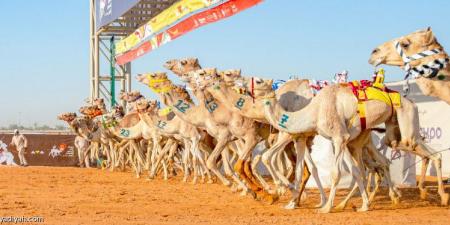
(365, 90)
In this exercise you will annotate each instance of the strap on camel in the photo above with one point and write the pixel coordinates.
(152, 82)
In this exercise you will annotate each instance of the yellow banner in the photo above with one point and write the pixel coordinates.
(162, 20)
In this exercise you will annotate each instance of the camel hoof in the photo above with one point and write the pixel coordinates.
(185, 179)
(320, 205)
(270, 199)
(324, 210)
(363, 209)
(280, 191)
(243, 193)
(210, 181)
(227, 183)
(253, 194)
(340, 207)
(291, 205)
(444, 199)
(423, 193)
(395, 201)
(234, 188)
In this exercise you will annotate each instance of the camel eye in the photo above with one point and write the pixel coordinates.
(405, 45)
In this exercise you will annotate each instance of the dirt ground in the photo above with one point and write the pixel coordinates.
(64, 195)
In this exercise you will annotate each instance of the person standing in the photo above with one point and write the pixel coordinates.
(21, 144)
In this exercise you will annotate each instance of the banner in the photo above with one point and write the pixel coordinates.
(166, 18)
(109, 10)
(215, 14)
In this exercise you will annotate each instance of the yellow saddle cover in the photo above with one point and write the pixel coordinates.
(365, 91)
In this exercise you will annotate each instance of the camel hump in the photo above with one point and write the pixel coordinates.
(130, 120)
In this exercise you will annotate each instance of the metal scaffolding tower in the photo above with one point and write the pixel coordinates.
(102, 48)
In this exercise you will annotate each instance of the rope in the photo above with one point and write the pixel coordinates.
(414, 164)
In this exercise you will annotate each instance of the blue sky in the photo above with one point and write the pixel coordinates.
(44, 46)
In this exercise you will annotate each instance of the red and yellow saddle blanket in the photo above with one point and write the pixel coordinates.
(365, 90)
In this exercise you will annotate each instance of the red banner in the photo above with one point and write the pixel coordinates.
(193, 22)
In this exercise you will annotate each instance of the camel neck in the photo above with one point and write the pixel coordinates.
(301, 121)
(186, 110)
(242, 104)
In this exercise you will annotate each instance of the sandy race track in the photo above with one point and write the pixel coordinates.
(91, 196)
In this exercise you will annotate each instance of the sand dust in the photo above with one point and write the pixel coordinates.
(91, 196)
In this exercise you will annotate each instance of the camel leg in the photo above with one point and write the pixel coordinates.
(383, 164)
(159, 157)
(185, 163)
(229, 172)
(212, 160)
(311, 166)
(358, 176)
(339, 148)
(113, 156)
(201, 160)
(357, 155)
(261, 180)
(300, 145)
(281, 142)
(148, 157)
(243, 167)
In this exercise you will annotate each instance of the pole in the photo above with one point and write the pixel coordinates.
(91, 49)
(113, 71)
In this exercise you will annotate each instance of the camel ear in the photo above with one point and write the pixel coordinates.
(429, 37)
(239, 72)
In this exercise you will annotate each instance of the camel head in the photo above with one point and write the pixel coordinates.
(156, 81)
(130, 96)
(261, 88)
(142, 105)
(181, 92)
(204, 77)
(99, 102)
(230, 76)
(117, 112)
(180, 67)
(80, 125)
(91, 111)
(411, 44)
(67, 117)
(149, 105)
(85, 126)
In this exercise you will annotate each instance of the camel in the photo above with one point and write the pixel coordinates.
(81, 143)
(217, 122)
(415, 53)
(250, 108)
(219, 90)
(173, 126)
(131, 98)
(377, 164)
(181, 68)
(331, 114)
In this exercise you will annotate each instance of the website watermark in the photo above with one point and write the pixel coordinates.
(21, 219)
